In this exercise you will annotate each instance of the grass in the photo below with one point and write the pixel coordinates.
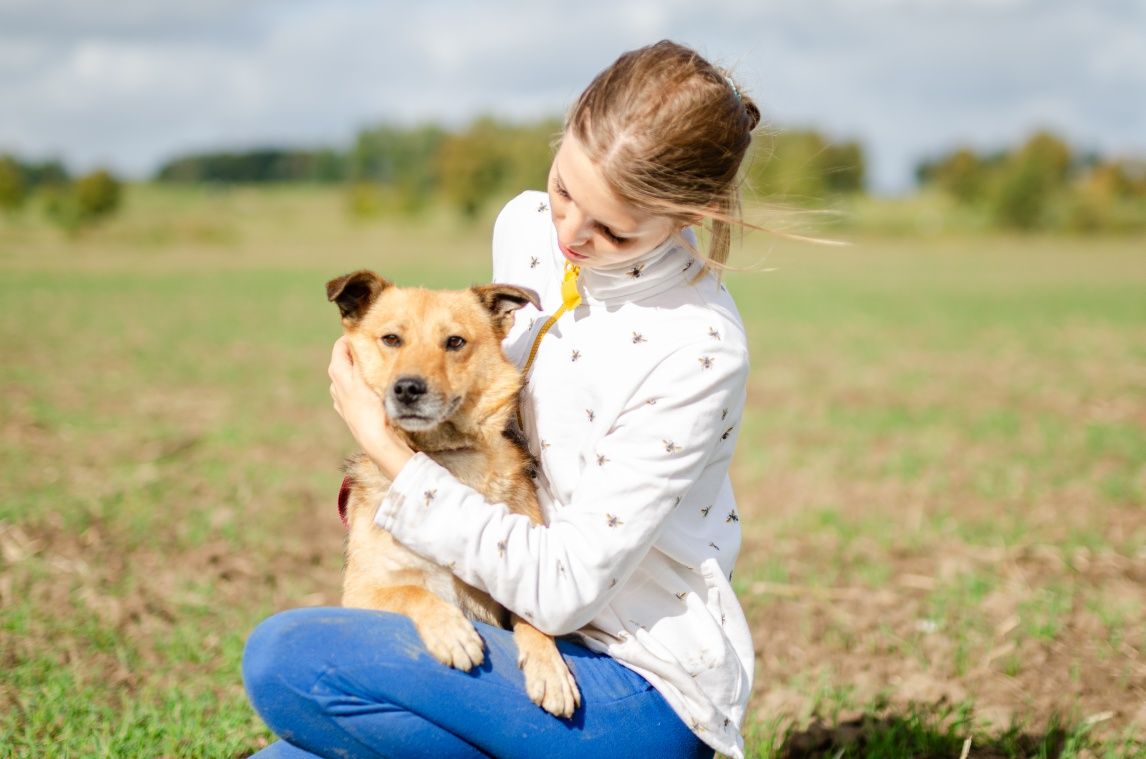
(941, 475)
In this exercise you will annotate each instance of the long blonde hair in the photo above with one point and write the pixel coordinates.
(669, 132)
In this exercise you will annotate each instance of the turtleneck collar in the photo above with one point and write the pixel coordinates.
(661, 268)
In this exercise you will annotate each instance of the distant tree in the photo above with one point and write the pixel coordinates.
(1029, 181)
(48, 173)
(473, 165)
(804, 165)
(85, 201)
(257, 166)
(402, 159)
(492, 159)
(962, 173)
(13, 188)
(98, 194)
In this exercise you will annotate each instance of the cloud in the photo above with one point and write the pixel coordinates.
(131, 83)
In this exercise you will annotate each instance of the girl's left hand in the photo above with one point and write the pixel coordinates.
(362, 410)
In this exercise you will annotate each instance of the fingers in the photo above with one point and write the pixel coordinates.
(341, 359)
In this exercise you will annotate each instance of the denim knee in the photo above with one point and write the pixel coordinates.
(273, 659)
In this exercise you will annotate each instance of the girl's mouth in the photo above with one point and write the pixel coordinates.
(572, 255)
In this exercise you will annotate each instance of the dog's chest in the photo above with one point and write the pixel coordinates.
(377, 555)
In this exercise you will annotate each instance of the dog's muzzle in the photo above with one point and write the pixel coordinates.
(411, 406)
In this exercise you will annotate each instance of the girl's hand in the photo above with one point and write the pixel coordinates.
(362, 410)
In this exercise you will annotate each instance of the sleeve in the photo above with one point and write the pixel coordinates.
(508, 229)
(561, 575)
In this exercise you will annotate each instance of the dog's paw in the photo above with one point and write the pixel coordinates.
(451, 638)
(548, 681)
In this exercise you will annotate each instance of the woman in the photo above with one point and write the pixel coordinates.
(636, 368)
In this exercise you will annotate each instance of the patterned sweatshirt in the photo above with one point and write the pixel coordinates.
(632, 406)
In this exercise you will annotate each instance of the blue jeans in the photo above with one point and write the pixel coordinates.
(336, 682)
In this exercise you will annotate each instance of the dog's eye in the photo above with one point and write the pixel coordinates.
(391, 341)
(455, 342)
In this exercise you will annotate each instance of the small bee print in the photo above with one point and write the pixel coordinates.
(726, 722)
(638, 338)
(560, 566)
(705, 362)
(727, 432)
(722, 618)
(732, 517)
(612, 521)
(532, 322)
(676, 502)
(651, 401)
(501, 548)
(542, 207)
(670, 446)
(635, 272)
(680, 596)
(589, 413)
(430, 494)
(533, 262)
(613, 582)
(602, 459)
(575, 355)
(687, 266)
(713, 333)
(713, 545)
(704, 511)
(723, 414)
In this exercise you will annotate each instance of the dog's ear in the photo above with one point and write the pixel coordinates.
(501, 301)
(355, 292)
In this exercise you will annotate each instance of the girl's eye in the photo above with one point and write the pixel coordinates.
(612, 237)
(455, 343)
(391, 341)
(560, 190)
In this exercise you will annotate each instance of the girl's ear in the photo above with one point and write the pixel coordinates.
(501, 301)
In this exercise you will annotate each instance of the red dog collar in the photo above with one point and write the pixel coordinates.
(343, 498)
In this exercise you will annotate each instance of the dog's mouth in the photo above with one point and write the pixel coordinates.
(424, 414)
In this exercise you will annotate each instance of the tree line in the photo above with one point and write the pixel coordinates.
(1043, 184)
(404, 169)
(71, 203)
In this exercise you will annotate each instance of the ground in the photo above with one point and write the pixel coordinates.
(941, 479)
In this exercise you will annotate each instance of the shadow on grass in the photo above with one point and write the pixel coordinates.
(914, 736)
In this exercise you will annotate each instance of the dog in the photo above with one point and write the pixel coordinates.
(435, 359)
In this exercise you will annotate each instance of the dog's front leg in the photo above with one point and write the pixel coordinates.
(548, 680)
(449, 636)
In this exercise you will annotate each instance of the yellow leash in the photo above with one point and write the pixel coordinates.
(570, 298)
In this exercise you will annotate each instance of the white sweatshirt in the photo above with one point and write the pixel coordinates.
(632, 406)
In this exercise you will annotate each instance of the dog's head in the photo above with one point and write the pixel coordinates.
(432, 355)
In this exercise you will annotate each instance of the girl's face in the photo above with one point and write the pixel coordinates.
(594, 227)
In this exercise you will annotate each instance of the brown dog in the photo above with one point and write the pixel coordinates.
(435, 359)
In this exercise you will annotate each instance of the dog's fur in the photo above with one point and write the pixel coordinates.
(435, 359)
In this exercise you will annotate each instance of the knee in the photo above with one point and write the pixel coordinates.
(280, 654)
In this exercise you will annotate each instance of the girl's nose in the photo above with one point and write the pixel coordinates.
(572, 229)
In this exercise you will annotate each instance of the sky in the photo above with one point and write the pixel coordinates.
(131, 83)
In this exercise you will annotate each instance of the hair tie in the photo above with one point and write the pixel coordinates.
(732, 84)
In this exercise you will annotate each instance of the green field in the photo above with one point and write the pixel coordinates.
(942, 477)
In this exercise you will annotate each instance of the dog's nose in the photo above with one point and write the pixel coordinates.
(409, 390)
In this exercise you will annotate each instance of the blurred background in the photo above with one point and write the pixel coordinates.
(942, 474)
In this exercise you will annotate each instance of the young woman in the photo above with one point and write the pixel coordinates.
(636, 368)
